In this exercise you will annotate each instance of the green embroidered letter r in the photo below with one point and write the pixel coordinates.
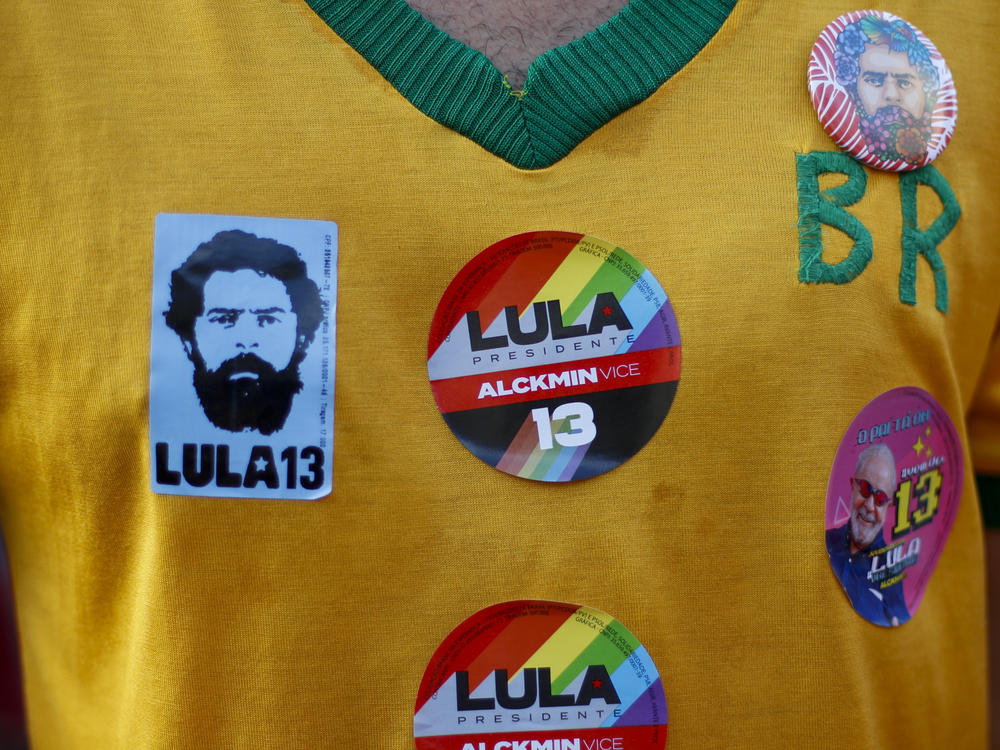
(916, 242)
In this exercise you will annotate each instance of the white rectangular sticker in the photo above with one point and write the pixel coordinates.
(242, 356)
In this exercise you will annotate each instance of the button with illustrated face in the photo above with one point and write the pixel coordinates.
(882, 90)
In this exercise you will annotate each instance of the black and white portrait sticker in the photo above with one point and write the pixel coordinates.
(242, 356)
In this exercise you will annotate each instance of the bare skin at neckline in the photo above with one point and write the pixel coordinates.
(512, 33)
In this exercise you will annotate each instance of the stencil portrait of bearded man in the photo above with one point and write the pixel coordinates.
(245, 312)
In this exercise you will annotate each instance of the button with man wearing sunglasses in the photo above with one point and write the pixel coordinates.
(854, 546)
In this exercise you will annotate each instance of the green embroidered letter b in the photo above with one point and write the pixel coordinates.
(827, 207)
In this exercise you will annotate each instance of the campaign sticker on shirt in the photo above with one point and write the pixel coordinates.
(242, 356)
(882, 90)
(894, 490)
(539, 674)
(554, 356)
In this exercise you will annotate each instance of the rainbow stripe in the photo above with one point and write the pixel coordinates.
(524, 457)
(565, 271)
(563, 638)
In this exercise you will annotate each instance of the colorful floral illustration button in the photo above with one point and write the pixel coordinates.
(554, 356)
(882, 90)
(540, 674)
(894, 490)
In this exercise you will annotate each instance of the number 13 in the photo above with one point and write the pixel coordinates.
(581, 425)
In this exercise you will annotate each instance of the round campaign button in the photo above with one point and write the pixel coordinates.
(882, 90)
(538, 674)
(894, 490)
(554, 356)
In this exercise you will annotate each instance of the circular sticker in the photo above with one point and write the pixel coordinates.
(894, 489)
(882, 90)
(531, 675)
(554, 356)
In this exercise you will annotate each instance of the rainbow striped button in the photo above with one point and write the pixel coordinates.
(530, 674)
(554, 356)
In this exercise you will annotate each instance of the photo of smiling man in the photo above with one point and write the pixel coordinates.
(854, 547)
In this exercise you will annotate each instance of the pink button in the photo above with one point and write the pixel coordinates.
(882, 90)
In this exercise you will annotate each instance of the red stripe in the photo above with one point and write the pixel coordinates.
(468, 288)
(526, 276)
(513, 281)
(515, 645)
(617, 371)
(629, 738)
(502, 633)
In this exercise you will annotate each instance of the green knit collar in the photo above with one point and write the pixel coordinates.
(570, 92)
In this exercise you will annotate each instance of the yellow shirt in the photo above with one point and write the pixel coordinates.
(151, 620)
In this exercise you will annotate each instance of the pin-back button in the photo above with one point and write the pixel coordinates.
(882, 90)
(894, 490)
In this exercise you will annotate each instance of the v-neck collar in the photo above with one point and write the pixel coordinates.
(570, 91)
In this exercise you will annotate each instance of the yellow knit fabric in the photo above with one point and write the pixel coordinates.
(155, 621)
